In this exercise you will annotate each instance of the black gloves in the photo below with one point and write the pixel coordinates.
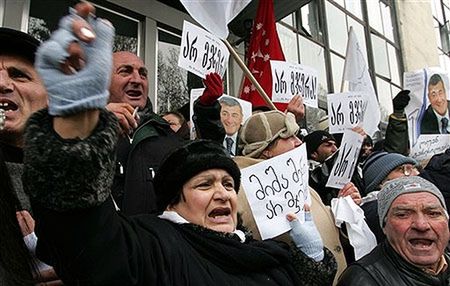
(400, 101)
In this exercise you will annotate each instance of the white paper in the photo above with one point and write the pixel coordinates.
(289, 79)
(347, 159)
(359, 234)
(345, 110)
(195, 93)
(417, 83)
(276, 187)
(428, 145)
(201, 52)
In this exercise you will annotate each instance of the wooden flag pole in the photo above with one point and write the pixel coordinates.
(249, 75)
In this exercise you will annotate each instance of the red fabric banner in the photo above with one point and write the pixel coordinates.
(264, 46)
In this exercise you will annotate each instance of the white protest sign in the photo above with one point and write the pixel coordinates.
(345, 110)
(347, 159)
(201, 52)
(276, 187)
(195, 93)
(289, 79)
(428, 145)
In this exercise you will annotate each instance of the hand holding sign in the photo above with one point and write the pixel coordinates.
(346, 161)
(294, 79)
(276, 187)
(202, 52)
(346, 110)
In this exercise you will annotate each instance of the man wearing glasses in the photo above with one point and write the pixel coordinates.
(379, 168)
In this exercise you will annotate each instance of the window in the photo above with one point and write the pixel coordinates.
(337, 28)
(127, 24)
(288, 40)
(441, 18)
(320, 29)
(172, 89)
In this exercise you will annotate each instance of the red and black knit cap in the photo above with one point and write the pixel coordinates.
(186, 162)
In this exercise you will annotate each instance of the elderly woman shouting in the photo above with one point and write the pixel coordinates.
(69, 158)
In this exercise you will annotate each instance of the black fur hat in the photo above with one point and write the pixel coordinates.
(186, 162)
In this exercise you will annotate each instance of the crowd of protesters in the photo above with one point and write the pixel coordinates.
(97, 189)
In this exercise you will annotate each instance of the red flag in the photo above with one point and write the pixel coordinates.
(264, 46)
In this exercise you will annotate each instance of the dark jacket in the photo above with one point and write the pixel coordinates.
(89, 243)
(138, 160)
(13, 157)
(437, 171)
(396, 139)
(384, 267)
(429, 123)
(97, 246)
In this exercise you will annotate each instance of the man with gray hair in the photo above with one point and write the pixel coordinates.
(231, 117)
(414, 218)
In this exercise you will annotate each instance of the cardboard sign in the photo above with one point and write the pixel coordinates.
(290, 79)
(201, 52)
(276, 187)
(345, 110)
(347, 159)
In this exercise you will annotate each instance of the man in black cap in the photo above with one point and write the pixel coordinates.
(21, 89)
(320, 145)
(21, 93)
(321, 149)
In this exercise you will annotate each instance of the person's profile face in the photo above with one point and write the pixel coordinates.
(173, 121)
(438, 97)
(231, 118)
(282, 145)
(325, 150)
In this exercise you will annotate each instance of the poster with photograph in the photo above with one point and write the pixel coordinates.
(427, 112)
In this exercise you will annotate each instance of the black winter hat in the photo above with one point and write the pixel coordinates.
(314, 139)
(186, 162)
(18, 43)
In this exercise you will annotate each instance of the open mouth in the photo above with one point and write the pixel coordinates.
(421, 243)
(7, 105)
(220, 213)
(134, 93)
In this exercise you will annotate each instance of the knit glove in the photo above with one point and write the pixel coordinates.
(307, 238)
(86, 89)
(213, 89)
(400, 101)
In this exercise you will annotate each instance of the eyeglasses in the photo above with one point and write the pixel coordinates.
(407, 169)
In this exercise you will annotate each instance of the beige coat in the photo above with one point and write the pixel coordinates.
(322, 216)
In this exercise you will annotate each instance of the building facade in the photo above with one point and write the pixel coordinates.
(397, 36)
